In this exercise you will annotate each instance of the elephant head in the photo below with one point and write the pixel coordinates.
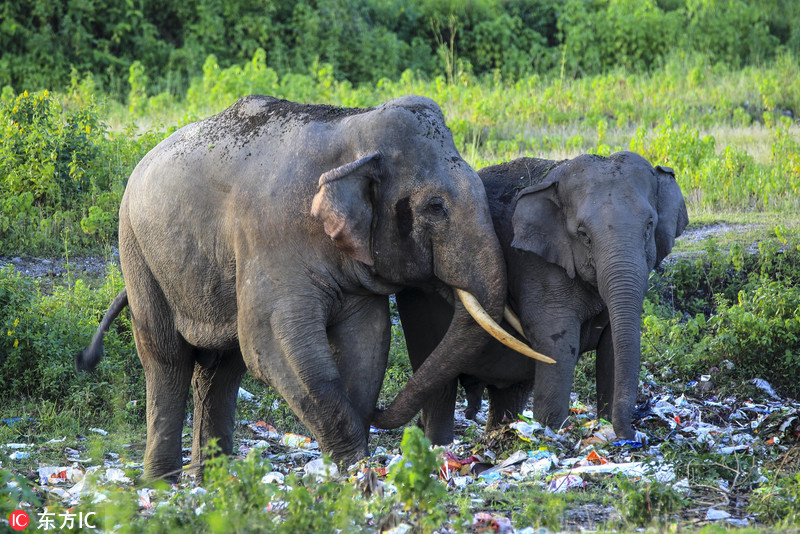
(609, 222)
(417, 214)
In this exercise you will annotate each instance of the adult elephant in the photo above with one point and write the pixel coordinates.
(267, 238)
(580, 238)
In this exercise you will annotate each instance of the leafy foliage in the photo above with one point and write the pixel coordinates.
(733, 306)
(41, 333)
(776, 502)
(365, 41)
(60, 171)
(644, 504)
(418, 487)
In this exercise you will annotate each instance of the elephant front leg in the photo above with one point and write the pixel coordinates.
(290, 351)
(604, 366)
(360, 340)
(426, 317)
(553, 382)
(215, 387)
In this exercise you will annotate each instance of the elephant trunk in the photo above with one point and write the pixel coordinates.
(464, 339)
(622, 283)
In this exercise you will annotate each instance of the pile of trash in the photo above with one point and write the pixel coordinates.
(522, 453)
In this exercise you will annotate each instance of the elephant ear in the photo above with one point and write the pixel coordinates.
(540, 228)
(344, 204)
(672, 214)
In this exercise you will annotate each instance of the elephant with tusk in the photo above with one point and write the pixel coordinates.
(580, 238)
(268, 237)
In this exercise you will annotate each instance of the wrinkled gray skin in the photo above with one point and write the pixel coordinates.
(268, 237)
(580, 238)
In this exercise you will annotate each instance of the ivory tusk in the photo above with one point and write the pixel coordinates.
(512, 319)
(482, 318)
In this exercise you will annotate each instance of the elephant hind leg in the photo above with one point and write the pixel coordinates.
(506, 404)
(215, 389)
(166, 359)
(473, 391)
(167, 363)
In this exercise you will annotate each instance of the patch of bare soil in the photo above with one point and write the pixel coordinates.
(59, 268)
(714, 230)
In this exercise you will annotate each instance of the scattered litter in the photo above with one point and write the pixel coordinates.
(537, 465)
(59, 475)
(11, 421)
(762, 384)
(114, 474)
(18, 445)
(246, 395)
(485, 522)
(295, 441)
(264, 430)
(273, 477)
(525, 430)
(144, 498)
(402, 528)
(321, 469)
(523, 453)
(627, 443)
(712, 514)
(516, 458)
(563, 483)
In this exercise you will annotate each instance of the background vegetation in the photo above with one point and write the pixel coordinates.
(708, 87)
(367, 40)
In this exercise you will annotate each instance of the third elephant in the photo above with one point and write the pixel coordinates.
(580, 238)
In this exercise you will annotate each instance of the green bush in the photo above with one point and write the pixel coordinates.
(643, 504)
(61, 173)
(734, 306)
(43, 332)
(775, 502)
(364, 41)
(415, 477)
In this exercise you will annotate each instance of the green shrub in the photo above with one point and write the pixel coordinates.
(61, 173)
(735, 306)
(365, 41)
(43, 332)
(645, 503)
(416, 479)
(775, 502)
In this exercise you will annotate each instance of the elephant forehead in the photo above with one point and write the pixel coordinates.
(612, 200)
(610, 182)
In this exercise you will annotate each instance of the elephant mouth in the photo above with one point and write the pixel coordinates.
(486, 322)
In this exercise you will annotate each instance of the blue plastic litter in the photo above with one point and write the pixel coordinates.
(11, 421)
(627, 443)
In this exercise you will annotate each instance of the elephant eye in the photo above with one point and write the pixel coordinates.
(584, 236)
(649, 229)
(437, 207)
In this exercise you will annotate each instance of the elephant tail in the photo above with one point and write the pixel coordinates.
(88, 358)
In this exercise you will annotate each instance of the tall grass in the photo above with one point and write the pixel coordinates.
(731, 135)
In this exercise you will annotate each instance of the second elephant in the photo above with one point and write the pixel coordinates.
(580, 238)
